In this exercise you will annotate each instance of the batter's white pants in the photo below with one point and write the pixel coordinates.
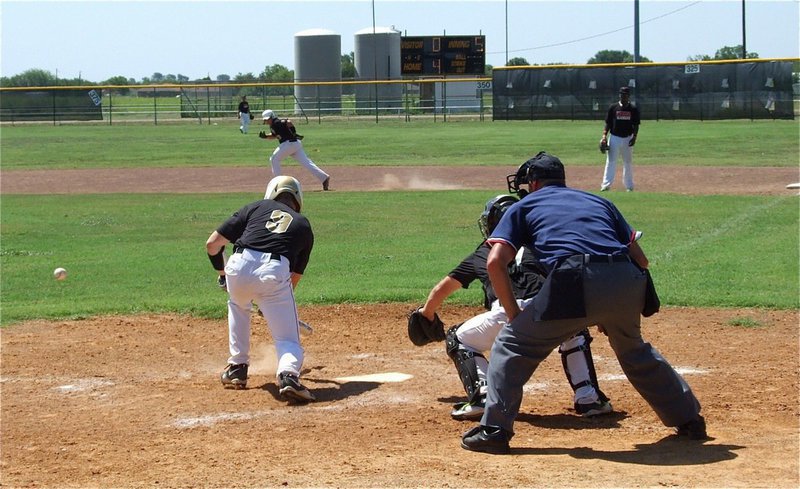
(295, 150)
(253, 276)
(478, 334)
(245, 118)
(619, 146)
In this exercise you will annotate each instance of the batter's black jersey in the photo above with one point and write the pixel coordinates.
(622, 119)
(244, 107)
(281, 128)
(527, 277)
(271, 227)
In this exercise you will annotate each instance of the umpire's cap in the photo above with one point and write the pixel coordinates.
(545, 166)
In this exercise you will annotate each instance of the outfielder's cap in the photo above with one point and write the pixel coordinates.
(268, 114)
(545, 166)
(625, 90)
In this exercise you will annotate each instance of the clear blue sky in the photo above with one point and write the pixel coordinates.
(100, 39)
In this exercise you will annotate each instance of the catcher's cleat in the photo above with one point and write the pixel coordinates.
(594, 409)
(292, 390)
(465, 411)
(694, 429)
(235, 376)
(326, 183)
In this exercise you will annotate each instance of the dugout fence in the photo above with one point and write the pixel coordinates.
(743, 89)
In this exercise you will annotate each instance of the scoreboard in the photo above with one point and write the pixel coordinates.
(443, 55)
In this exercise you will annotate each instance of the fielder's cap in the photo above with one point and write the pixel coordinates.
(545, 166)
(625, 90)
(268, 114)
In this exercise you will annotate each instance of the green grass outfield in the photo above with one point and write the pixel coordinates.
(690, 143)
(146, 253)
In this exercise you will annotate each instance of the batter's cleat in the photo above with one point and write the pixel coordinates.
(292, 390)
(594, 409)
(326, 183)
(466, 411)
(235, 376)
(486, 439)
(694, 429)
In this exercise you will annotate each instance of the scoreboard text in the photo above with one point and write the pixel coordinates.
(443, 55)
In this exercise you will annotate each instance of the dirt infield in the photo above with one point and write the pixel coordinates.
(136, 401)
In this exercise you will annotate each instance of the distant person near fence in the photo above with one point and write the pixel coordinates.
(244, 115)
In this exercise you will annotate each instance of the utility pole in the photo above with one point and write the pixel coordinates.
(744, 35)
(636, 31)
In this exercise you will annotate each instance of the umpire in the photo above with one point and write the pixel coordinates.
(595, 277)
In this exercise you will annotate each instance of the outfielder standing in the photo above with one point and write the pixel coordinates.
(467, 343)
(244, 115)
(289, 145)
(622, 121)
(272, 246)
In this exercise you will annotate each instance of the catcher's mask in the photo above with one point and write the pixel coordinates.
(493, 211)
(285, 185)
(541, 166)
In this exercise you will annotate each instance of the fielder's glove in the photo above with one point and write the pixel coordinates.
(262, 135)
(603, 145)
(422, 331)
(222, 283)
(252, 116)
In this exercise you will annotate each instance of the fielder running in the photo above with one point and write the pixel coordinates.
(289, 145)
(467, 343)
(272, 246)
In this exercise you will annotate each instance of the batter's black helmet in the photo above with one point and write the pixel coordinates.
(493, 211)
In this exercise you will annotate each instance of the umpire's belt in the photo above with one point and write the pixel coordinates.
(605, 258)
(272, 256)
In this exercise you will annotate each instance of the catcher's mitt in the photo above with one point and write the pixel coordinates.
(421, 331)
(603, 145)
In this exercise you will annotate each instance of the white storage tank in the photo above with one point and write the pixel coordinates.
(377, 57)
(318, 58)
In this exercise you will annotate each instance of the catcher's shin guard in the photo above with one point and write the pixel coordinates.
(464, 360)
(576, 357)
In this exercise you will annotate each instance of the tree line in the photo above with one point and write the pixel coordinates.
(278, 73)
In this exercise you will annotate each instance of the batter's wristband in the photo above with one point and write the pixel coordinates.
(218, 260)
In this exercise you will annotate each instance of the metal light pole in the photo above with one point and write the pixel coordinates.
(744, 35)
(635, 31)
(506, 61)
(375, 60)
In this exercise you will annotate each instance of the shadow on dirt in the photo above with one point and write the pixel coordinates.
(668, 451)
(337, 392)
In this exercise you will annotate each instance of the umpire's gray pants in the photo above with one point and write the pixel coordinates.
(614, 296)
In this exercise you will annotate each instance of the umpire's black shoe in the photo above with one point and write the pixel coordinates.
(694, 429)
(235, 376)
(486, 439)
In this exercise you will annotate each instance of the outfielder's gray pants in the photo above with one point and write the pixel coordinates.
(614, 295)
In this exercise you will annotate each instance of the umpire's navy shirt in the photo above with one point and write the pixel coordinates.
(557, 221)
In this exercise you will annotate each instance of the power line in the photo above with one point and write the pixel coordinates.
(596, 35)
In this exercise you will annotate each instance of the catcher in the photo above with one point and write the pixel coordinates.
(467, 342)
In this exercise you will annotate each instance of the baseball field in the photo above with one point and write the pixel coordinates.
(110, 377)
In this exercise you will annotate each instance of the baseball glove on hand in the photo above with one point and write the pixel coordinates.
(422, 331)
(252, 116)
(603, 145)
(262, 135)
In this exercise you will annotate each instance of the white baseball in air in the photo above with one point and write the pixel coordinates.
(59, 273)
